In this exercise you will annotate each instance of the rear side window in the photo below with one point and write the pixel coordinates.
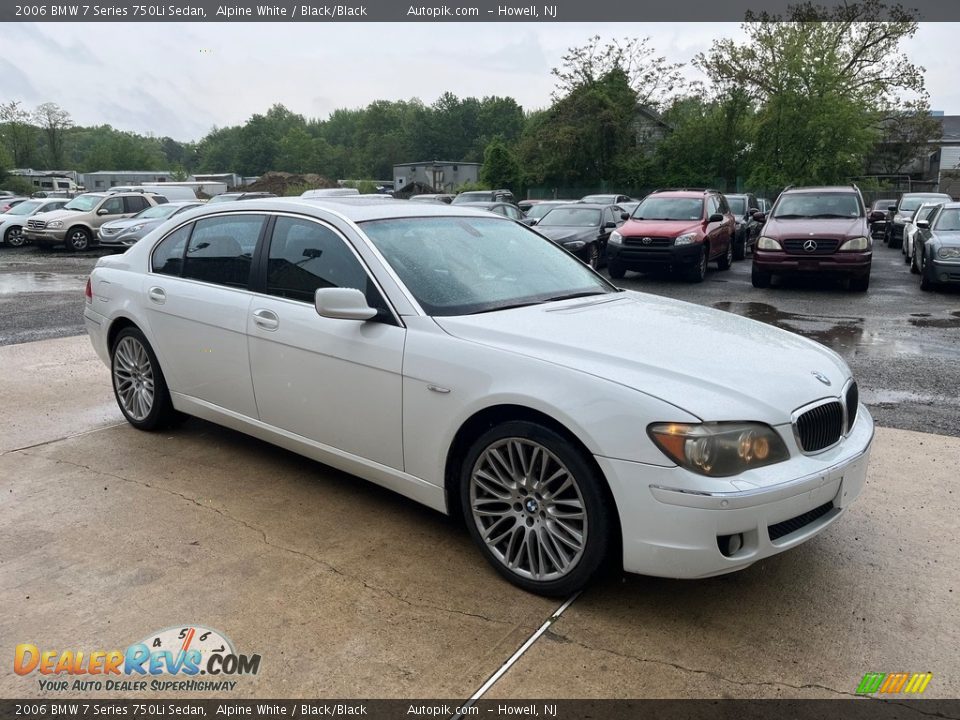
(168, 255)
(135, 204)
(220, 250)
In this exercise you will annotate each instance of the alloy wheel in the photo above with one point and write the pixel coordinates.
(133, 378)
(15, 237)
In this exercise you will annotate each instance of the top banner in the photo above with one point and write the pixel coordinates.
(200, 11)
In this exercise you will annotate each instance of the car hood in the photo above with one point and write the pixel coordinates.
(123, 223)
(944, 237)
(563, 233)
(815, 227)
(57, 215)
(660, 228)
(711, 363)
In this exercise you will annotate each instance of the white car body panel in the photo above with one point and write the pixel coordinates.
(385, 401)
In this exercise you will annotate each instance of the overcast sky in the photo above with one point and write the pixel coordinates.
(182, 79)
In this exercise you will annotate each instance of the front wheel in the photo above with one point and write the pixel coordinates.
(593, 255)
(535, 507)
(860, 284)
(698, 272)
(616, 269)
(759, 278)
(14, 236)
(78, 238)
(740, 249)
(138, 383)
(726, 261)
(913, 264)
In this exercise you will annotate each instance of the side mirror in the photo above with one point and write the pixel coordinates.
(624, 216)
(103, 211)
(892, 208)
(716, 217)
(610, 226)
(534, 221)
(752, 211)
(342, 304)
(759, 216)
(923, 223)
(877, 215)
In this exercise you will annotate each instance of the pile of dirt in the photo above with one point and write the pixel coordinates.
(284, 183)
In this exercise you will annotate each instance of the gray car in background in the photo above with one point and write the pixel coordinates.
(125, 232)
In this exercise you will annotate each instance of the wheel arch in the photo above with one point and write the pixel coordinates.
(116, 325)
(482, 420)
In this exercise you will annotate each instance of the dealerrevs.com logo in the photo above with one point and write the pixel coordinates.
(894, 683)
(172, 659)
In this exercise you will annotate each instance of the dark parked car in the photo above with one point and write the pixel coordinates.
(606, 199)
(815, 231)
(899, 213)
(938, 247)
(681, 230)
(540, 208)
(878, 218)
(472, 196)
(743, 207)
(582, 228)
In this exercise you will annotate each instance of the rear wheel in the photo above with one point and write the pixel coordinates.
(698, 272)
(535, 507)
(138, 383)
(926, 282)
(759, 278)
(14, 236)
(593, 255)
(740, 248)
(726, 261)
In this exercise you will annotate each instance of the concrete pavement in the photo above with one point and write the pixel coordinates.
(347, 590)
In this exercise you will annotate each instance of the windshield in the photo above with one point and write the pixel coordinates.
(539, 210)
(157, 211)
(572, 217)
(738, 205)
(83, 202)
(466, 265)
(599, 199)
(25, 208)
(909, 204)
(883, 204)
(474, 196)
(818, 205)
(667, 208)
(949, 220)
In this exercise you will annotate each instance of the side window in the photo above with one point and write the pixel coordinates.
(221, 249)
(512, 212)
(608, 215)
(306, 256)
(711, 205)
(168, 254)
(722, 204)
(135, 204)
(113, 206)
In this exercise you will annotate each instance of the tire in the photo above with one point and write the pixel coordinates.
(759, 278)
(14, 236)
(726, 261)
(138, 383)
(78, 238)
(528, 545)
(616, 269)
(926, 282)
(913, 264)
(740, 249)
(698, 272)
(860, 283)
(593, 255)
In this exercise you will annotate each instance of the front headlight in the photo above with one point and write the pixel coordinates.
(768, 243)
(135, 228)
(949, 253)
(860, 243)
(55, 224)
(902, 219)
(719, 449)
(615, 238)
(685, 239)
(574, 245)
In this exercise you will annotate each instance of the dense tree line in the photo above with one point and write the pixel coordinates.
(815, 97)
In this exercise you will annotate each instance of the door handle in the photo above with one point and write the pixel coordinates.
(266, 319)
(157, 295)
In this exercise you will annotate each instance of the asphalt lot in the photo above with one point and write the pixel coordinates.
(902, 344)
(347, 590)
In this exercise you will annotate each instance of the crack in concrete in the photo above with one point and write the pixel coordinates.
(712, 673)
(266, 541)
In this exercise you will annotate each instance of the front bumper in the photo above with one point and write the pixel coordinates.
(118, 240)
(637, 256)
(946, 272)
(853, 264)
(45, 237)
(672, 524)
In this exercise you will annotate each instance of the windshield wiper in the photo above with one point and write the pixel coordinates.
(789, 216)
(528, 303)
(830, 215)
(571, 296)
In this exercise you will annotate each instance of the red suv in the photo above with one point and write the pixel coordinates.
(678, 229)
(815, 231)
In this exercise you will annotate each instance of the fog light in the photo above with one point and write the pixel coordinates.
(730, 545)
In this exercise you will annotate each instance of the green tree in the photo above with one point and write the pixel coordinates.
(500, 169)
(18, 132)
(53, 122)
(295, 151)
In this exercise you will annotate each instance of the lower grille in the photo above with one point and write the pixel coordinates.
(853, 403)
(821, 246)
(820, 427)
(800, 521)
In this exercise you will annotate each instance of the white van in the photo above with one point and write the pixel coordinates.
(173, 193)
(330, 192)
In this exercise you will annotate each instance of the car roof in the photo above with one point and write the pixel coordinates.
(353, 208)
(925, 194)
(823, 188)
(591, 205)
(697, 194)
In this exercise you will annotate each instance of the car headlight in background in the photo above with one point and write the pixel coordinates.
(768, 243)
(615, 238)
(860, 243)
(574, 245)
(135, 228)
(54, 224)
(902, 219)
(949, 253)
(719, 449)
(685, 239)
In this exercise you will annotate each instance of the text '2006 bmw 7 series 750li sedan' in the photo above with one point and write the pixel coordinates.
(467, 362)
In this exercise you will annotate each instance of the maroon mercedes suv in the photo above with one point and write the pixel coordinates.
(815, 231)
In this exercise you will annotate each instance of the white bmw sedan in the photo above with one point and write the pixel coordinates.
(471, 364)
